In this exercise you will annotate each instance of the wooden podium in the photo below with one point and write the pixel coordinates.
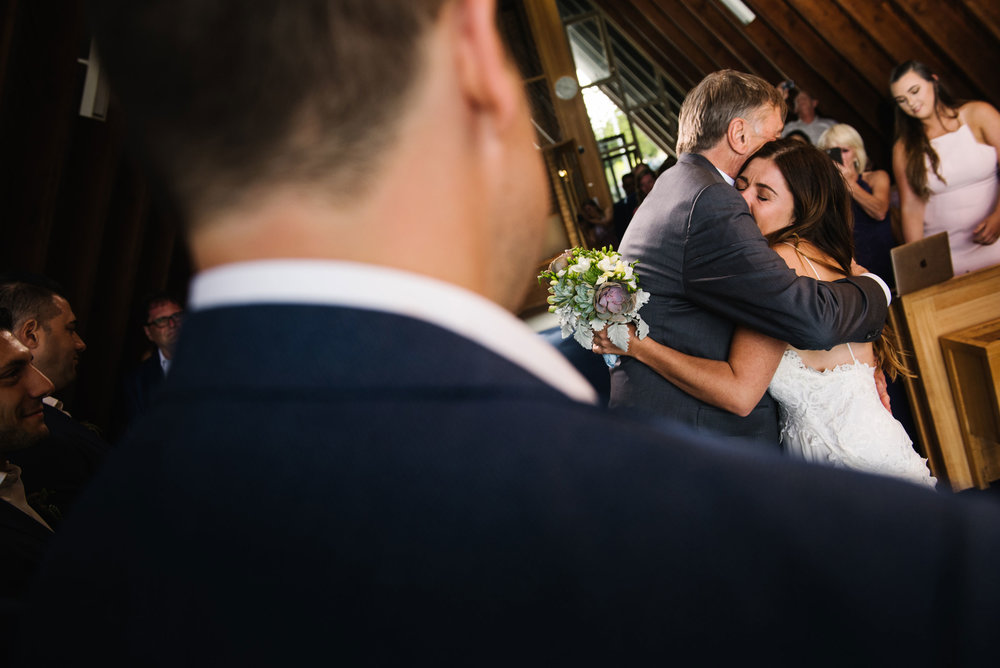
(972, 357)
(952, 310)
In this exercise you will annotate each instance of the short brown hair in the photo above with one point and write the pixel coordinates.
(226, 95)
(719, 98)
(30, 297)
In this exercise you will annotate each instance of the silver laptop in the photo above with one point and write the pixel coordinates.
(922, 263)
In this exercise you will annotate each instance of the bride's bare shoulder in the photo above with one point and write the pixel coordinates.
(795, 254)
(791, 257)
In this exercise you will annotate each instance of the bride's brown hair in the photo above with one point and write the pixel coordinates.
(822, 216)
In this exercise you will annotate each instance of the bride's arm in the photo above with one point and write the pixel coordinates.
(735, 385)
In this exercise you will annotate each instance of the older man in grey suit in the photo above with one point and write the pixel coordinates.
(709, 268)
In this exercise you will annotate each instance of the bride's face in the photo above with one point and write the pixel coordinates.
(767, 194)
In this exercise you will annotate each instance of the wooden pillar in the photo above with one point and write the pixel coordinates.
(557, 61)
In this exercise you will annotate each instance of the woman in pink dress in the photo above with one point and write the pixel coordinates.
(945, 163)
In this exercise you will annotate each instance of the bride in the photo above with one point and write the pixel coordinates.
(829, 406)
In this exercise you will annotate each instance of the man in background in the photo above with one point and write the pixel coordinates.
(360, 456)
(162, 315)
(807, 120)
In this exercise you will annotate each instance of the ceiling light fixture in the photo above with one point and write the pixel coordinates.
(741, 11)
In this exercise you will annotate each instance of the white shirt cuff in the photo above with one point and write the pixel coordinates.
(885, 288)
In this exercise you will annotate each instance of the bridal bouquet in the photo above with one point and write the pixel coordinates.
(593, 289)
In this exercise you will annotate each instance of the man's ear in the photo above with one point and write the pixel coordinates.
(29, 333)
(736, 135)
(485, 75)
(145, 328)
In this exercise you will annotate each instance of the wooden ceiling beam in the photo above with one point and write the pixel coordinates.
(657, 47)
(800, 51)
(988, 13)
(687, 35)
(962, 39)
(855, 46)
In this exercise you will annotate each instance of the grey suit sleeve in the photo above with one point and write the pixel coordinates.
(729, 269)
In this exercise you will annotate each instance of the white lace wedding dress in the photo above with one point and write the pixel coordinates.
(836, 417)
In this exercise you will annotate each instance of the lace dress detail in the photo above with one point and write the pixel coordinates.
(835, 417)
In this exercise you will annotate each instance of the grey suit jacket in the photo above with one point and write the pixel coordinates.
(708, 268)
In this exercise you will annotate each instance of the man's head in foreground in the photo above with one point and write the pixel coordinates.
(337, 130)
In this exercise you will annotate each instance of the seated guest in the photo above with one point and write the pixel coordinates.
(162, 315)
(23, 532)
(361, 456)
(64, 461)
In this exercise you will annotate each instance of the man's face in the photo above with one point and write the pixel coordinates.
(163, 325)
(22, 387)
(766, 126)
(805, 105)
(59, 346)
(646, 182)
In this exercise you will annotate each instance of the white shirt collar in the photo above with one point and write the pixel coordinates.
(730, 180)
(164, 362)
(54, 403)
(376, 288)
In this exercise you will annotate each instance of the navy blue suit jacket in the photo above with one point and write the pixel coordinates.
(139, 386)
(62, 463)
(320, 485)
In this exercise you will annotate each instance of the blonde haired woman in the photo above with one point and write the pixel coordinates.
(869, 189)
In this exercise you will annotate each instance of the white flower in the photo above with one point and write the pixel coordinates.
(607, 265)
(582, 266)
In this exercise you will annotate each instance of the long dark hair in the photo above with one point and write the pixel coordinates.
(822, 203)
(822, 215)
(910, 130)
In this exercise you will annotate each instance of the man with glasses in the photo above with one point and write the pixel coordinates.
(162, 314)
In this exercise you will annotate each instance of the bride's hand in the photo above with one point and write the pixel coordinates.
(603, 346)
